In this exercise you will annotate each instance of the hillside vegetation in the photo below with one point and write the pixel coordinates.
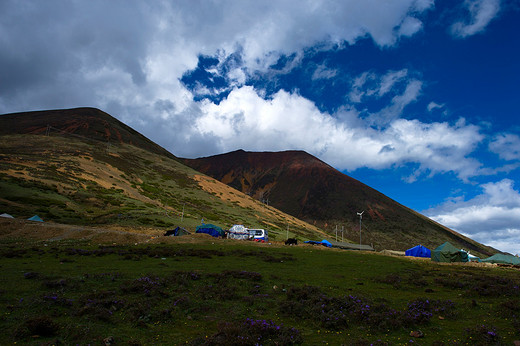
(73, 180)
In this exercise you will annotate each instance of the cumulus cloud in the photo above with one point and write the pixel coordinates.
(410, 26)
(506, 146)
(287, 120)
(480, 14)
(492, 218)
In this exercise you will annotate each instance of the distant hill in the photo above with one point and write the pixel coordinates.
(83, 166)
(311, 190)
(85, 123)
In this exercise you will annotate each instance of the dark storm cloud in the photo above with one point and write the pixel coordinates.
(57, 45)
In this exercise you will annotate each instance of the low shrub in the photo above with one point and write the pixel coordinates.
(100, 305)
(41, 326)
(482, 335)
(338, 313)
(252, 332)
(146, 285)
(391, 279)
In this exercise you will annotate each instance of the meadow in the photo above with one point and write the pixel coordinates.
(208, 291)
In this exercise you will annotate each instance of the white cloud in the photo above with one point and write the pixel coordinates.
(410, 26)
(322, 72)
(246, 120)
(433, 105)
(389, 80)
(481, 13)
(358, 91)
(492, 218)
(369, 84)
(395, 109)
(506, 146)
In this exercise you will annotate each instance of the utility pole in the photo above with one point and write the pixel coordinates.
(360, 217)
(336, 232)
(342, 234)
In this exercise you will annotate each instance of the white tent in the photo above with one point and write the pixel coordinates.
(6, 216)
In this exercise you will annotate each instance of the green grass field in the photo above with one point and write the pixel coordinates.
(239, 293)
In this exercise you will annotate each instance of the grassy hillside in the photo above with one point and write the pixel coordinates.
(74, 180)
(204, 291)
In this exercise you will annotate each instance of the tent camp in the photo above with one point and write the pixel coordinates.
(449, 253)
(210, 229)
(6, 216)
(502, 259)
(324, 242)
(418, 251)
(176, 232)
(35, 218)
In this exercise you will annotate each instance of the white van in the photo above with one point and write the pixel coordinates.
(259, 234)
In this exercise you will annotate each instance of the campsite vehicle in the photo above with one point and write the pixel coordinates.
(259, 234)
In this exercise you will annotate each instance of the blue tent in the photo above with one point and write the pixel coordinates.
(210, 229)
(418, 251)
(324, 242)
(35, 218)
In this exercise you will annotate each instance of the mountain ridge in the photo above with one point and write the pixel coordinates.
(310, 189)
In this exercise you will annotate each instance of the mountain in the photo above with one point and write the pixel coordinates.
(311, 190)
(84, 167)
(89, 124)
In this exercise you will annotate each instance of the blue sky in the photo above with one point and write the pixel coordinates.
(416, 98)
